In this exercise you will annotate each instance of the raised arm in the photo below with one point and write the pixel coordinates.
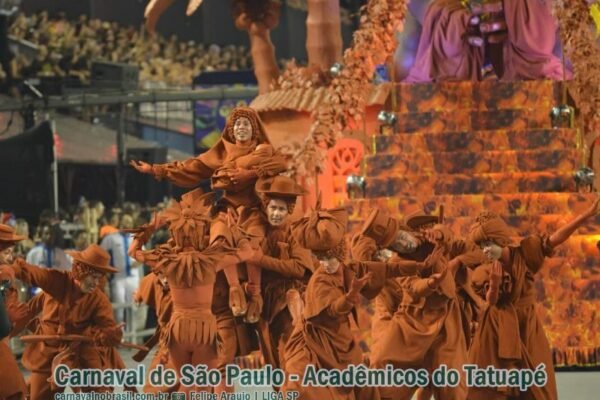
(344, 304)
(564, 232)
(422, 287)
(186, 173)
(294, 267)
(50, 281)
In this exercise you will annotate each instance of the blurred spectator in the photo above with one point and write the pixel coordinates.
(126, 281)
(47, 253)
(81, 240)
(111, 225)
(24, 246)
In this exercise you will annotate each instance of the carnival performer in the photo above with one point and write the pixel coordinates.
(235, 162)
(190, 268)
(324, 338)
(75, 305)
(154, 292)
(510, 333)
(286, 267)
(427, 329)
(12, 384)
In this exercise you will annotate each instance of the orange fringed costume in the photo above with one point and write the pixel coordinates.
(217, 163)
(190, 269)
(67, 310)
(324, 338)
(510, 333)
(157, 296)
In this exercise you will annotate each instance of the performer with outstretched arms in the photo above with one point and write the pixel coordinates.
(75, 305)
(235, 163)
(510, 333)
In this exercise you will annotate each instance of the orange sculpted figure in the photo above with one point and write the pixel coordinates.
(74, 305)
(324, 339)
(286, 267)
(12, 384)
(427, 330)
(190, 269)
(510, 334)
(154, 292)
(235, 162)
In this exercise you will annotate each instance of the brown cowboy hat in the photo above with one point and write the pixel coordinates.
(418, 218)
(7, 234)
(321, 230)
(95, 257)
(279, 186)
(381, 227)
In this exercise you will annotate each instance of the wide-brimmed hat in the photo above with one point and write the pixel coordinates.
(417, 219)
(7, 234)
(279, 186)
(95, 257)
(321, 230)
(381, 227)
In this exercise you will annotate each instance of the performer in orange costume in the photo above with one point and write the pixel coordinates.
(235, 162)
(74, 305)
(324, 338)
(12, 384)
(154, 292)
(286, 267)
(510, 333)
(190, 268)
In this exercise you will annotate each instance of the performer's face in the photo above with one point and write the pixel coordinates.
(405, 243)
(6, 255)
(277, 212)
(330, 264)
(90, 282)
(242, 129)
(492, 251)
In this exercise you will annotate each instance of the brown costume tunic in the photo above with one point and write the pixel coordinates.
(510, 334)
(12, 384)
(325, 339)
(186, 270)
(152, 293)
(364, 248)
(66, 310)
(427, 329)
(285, 266)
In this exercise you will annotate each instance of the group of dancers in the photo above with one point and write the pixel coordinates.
(238, 275)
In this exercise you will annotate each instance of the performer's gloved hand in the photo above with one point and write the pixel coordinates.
(435, 280)
(258, 255)
(141, 166)
(493, 291)
(356, 286)
(433, 258)
(593, 210)
(111, 336)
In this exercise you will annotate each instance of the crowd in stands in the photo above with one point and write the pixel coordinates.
(67, 48)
